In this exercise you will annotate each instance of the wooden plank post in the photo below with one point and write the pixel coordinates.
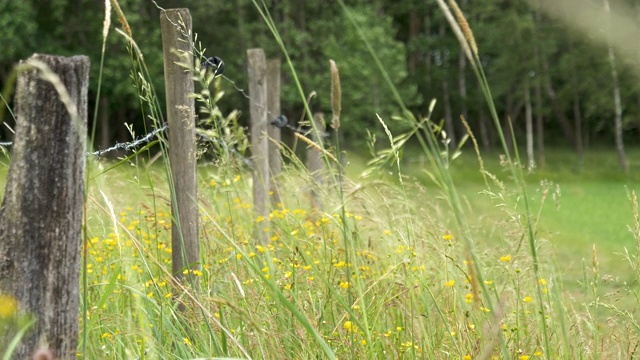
(41, 214)
(315, 162)
(182, 141)
(259, 139)
(273, 108)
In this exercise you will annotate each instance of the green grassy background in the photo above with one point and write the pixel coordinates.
(593, 207)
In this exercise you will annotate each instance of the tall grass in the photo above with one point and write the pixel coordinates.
(387, 268)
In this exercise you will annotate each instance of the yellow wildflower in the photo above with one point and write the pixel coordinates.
(8, 306)
(348, 325)
(468, 298)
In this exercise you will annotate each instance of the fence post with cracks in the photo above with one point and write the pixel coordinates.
(176, 28)
(41, 214)
(257, 70)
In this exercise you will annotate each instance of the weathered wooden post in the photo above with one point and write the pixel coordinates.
(41, 214)
(315, 162)
(273, 108)
(182, 140)
(259, 138)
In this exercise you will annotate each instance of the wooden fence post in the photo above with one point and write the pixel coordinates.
(273, 108)
(182, 141)
(315, 162)
(259, 142)
(41, 214)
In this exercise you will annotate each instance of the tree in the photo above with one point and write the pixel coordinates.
(616, 94)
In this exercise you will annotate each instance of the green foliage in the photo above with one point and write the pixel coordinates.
(19, 32)
(366, 91)
(64, 27)
(517, 41)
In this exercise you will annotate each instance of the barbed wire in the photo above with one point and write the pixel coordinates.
(132, 146)
(200, 54)
(127, 146)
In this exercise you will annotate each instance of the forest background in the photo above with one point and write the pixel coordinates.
(558, 86)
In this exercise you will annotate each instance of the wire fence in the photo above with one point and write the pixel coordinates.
(279, 121)
(133, 146)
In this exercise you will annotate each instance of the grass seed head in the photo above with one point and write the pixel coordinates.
(122, 18)
(336, 95)
(464, 26)
(315, 146)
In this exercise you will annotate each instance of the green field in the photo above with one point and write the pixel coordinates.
(582, 208)
(402, 254)
(382, 271)
(591, 206)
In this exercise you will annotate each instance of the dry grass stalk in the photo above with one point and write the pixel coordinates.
(336, 95)
(464, 25)
(122, 18)
(316, 146)
(106, 24)
(456, 30)
(471, 278)
(476, 148)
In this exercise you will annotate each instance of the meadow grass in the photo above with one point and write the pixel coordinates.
(408, 274)
(427, 263)
(585, 207)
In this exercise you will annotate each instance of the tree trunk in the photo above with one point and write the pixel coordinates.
(427, 58)
(577, 118)
(462, 84)
(577, 115)
(508, 121)
(565, 124)
(302, 27)
(616, 95)
(446, 95)
(485, 135)
(538, 88)
(539, 123)
(104, 125)
(637, 6)
(414, 32)
(448, 117)
(41, 214)
(529, 123)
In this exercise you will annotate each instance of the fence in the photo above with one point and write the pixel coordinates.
(42, 209)
(41, 213)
